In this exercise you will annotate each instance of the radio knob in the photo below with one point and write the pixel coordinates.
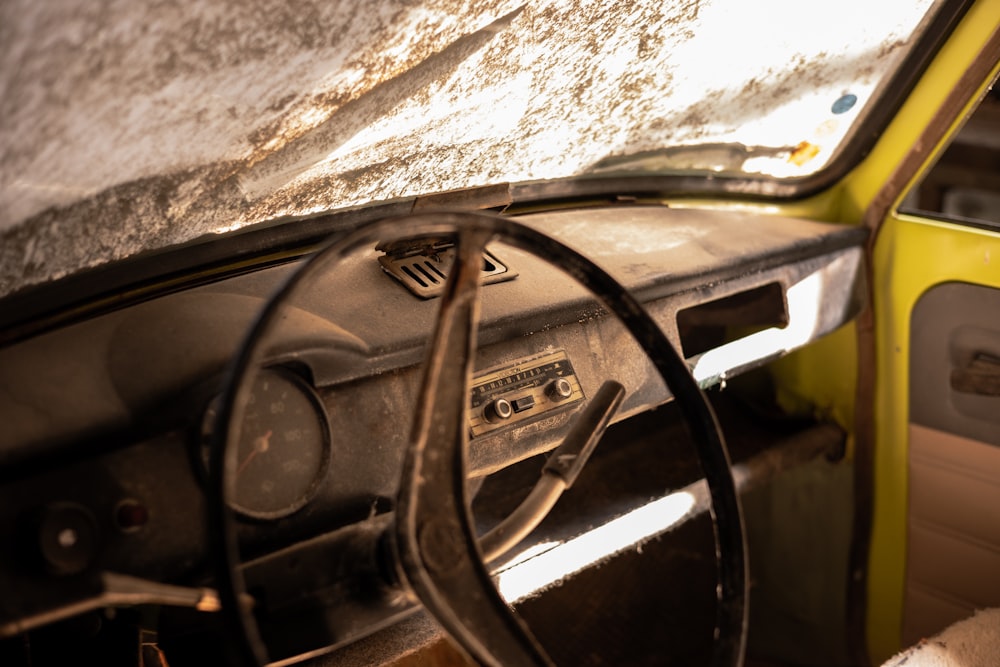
(559, 389)
(498, 410)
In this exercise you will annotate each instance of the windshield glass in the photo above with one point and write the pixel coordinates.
(129, 126)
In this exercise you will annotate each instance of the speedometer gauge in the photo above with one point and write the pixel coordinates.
(283, 449)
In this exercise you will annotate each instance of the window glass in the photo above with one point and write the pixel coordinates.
(964, 185)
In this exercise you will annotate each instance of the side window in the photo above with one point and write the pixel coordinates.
(964, 185)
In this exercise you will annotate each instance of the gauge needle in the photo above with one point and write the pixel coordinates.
(261, 444)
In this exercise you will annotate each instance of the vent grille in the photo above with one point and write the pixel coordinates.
(425, 274)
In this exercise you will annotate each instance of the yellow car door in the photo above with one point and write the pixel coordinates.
(928, 412)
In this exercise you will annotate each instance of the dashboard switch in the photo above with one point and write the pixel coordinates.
(131, 516)
(498, 410)
(67, 538)
(523, 403)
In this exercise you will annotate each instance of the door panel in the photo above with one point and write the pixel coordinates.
(932, 442)
(953, 516)
(955, 361)
(953, 531)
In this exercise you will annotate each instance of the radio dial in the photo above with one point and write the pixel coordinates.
(498, 410)
(560, 389)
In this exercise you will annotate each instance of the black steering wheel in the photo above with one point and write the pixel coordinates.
(433, 547)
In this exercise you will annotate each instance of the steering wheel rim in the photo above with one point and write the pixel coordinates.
(474, 231)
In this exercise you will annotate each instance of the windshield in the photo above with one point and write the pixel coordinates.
(129, 126)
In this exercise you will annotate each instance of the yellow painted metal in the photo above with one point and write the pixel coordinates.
(911, 255)
(821, 378)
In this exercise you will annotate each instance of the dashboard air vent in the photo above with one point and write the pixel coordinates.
(422, 265)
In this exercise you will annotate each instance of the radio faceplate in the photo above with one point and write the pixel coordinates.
(523, 390)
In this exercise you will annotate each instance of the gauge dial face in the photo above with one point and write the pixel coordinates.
(283, 449)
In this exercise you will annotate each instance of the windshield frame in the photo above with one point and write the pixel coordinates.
(39, 307)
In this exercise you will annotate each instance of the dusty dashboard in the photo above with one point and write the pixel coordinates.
(102, 457)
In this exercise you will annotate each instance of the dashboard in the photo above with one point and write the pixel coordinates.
(104, 454)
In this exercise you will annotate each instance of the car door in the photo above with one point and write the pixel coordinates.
(929, 409)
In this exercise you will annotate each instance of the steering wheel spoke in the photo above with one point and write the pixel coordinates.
(437, 547)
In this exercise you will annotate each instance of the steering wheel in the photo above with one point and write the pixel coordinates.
(434, 550)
